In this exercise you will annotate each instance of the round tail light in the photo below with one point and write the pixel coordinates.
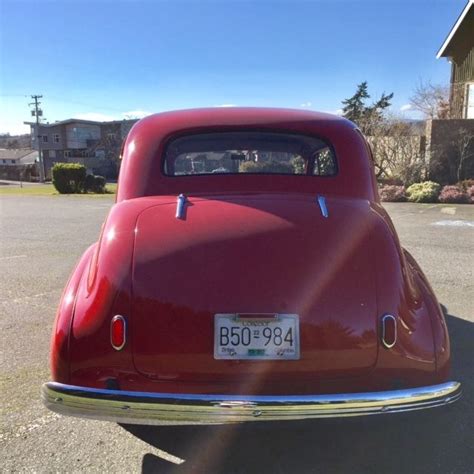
(118, 332)
(389, 331)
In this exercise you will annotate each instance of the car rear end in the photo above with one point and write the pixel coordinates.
(242, 275)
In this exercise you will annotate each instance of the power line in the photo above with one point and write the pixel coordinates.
(85, 104)
(74, 102)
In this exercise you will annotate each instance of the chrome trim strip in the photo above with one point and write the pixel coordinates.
(171, 408)
(384, 318)
(118, 316)
(322, 206)
(180, 206)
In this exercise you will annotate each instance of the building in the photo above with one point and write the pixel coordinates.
(458, 48)
(450, 142)
(18, 164)
(18, 156)
(96, 145)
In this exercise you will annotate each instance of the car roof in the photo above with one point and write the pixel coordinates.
(141, 170)
(245, 116)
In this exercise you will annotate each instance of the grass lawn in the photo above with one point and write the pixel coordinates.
(47, 190)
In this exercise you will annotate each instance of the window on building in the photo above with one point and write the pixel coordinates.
(56, 138)
(111, 136)
(5, 161)
(67, 154)
(13, 162)
(45, 138)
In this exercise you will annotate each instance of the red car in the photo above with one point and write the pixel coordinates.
(247, 272)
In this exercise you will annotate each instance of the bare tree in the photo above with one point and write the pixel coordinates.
(452, 159)
(464, 145)
(432, 100)
(398, 151)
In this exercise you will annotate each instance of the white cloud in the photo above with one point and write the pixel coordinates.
(13, 127)
(136, 114)
(306, 104)
(95, 117)
(98, 117)
(226, 105)
(16, 127)
(406, 107)
(334, 112)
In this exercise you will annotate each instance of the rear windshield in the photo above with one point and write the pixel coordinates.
(249, 152)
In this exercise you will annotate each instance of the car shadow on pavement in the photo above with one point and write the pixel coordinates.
(431, 441)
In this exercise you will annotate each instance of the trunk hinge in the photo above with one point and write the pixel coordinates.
(322, 206)
(180, 206)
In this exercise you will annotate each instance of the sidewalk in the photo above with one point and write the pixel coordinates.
(7, 182)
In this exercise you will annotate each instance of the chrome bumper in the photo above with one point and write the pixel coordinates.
(169, 408)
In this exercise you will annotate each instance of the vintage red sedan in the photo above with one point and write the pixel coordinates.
(247, 272)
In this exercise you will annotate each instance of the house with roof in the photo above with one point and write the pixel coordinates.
(18, 156)
(458, 48)
(96, 145)
(450, 142)
(18, 163)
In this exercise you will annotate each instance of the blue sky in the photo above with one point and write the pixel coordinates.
(111, 59)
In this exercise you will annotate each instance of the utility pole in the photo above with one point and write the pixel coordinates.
(38, 113)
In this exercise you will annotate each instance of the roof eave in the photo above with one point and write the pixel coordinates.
(444, 46)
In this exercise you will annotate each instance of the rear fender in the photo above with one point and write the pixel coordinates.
(412, 360)
(59, 358)
(104, 293)
(438, 323)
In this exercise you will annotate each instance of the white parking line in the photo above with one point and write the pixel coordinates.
(13, 256)
(448, 210)
(449, 223)
(27, 297)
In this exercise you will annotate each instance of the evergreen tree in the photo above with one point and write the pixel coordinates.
(365, 116)
(355, 106)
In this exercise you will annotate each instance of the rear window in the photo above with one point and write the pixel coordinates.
(249, 152)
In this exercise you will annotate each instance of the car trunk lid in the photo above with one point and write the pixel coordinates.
(256, 254)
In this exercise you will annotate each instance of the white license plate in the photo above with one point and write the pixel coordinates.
(257, 337)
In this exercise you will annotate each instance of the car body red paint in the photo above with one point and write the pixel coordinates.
(248, 243)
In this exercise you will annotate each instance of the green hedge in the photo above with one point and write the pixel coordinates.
(69, 178)
(94, 184)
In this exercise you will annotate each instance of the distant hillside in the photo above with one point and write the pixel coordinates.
(417, 125)
(15, 141)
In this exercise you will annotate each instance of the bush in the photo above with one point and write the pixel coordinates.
(94, 184)
(89, 182)
(423, 192)
(466, 184)
(391, 193)
(99, 185)
(266, 167)
(392, 181)
(69, 178)
(470, 194)
(453, 194)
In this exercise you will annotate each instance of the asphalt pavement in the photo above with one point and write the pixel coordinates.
(40, 240)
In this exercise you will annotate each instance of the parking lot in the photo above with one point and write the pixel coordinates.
(42, 237)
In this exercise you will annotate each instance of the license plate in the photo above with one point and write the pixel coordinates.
(257, 337)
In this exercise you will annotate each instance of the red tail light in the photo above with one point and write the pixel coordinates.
(389, 331)
(118, 332)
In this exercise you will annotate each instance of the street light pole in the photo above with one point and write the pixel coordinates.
(37, 113)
